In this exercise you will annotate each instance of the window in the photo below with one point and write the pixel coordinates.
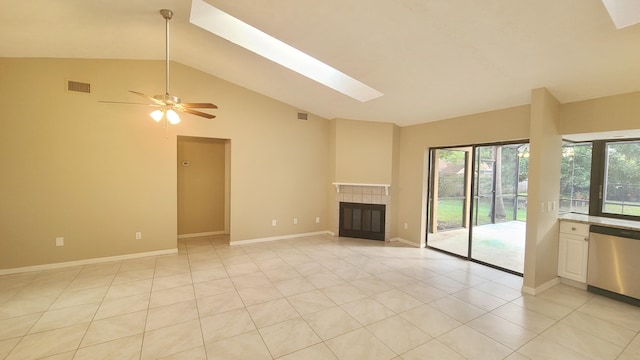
(575, 177)
(621, 178)
(601, 178)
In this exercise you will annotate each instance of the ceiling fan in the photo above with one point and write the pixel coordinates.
(169, 105)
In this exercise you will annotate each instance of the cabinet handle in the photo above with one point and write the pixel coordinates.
(586, 239)
(573, 228)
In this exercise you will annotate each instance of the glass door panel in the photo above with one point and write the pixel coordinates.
(449, 200)
(499, 212)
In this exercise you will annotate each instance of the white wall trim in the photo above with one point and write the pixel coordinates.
(405, 241)
(211, 233)
(542, 288)
(87, 261)
(274, 238)
(578, 284)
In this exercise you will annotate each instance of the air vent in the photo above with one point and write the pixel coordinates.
(302, 116)
(77, 86)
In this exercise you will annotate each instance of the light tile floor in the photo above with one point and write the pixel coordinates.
(308, 298)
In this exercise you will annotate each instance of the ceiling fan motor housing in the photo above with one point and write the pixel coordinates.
(168, 99)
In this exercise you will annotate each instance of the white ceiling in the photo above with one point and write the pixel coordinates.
(432, 59)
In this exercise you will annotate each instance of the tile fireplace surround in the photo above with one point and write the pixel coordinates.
(363, 194)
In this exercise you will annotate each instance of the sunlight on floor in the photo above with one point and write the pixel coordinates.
(498, 244)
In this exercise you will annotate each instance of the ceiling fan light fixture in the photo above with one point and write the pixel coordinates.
(173, 117)
(157, 115)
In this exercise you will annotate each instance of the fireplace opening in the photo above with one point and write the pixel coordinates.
(365, 221)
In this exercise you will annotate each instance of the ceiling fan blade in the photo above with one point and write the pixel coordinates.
(150, 98)
(199, 113)
(126, 103)
(199, 105)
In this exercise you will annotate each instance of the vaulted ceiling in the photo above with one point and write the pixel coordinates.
(432, 59)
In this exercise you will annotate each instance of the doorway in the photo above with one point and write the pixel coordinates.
(477, 203)
(203, 186)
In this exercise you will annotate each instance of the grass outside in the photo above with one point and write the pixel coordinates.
(632, 209)
(628, 208)
(450, 213)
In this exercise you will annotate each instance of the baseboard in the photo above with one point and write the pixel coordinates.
(405, 241)
(86, 261)
(275, 238)
(211, 233)
(542, 288)
(578, 284)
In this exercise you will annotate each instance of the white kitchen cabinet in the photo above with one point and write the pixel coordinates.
(573, 251)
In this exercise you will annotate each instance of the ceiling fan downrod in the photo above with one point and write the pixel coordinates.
(167, 15)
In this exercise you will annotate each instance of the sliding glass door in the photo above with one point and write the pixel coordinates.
(477, 203)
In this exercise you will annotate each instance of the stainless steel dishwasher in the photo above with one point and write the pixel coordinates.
(614, 263)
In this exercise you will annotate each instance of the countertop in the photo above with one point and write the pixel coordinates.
(602, 221)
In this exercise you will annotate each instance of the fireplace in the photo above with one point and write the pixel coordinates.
(365, 221)
(353, 194)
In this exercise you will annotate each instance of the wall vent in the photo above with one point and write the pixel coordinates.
(77, 86)
(302, 116)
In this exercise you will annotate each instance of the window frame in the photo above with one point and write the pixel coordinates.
(598, 167)
(566, 142)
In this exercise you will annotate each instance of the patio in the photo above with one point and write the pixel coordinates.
(500, 244)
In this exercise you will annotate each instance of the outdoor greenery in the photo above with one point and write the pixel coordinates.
(622, 177)
(575, 177)
(511, 170)
(450, 213)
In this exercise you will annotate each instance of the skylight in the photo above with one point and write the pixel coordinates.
(623, 12)
(228, 27)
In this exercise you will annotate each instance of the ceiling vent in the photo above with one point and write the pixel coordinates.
(77, 86)
(302, 116)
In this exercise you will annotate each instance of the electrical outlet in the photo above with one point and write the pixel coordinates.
(295, 221)
(138, 235)
(317, 219)
(406, 226)
(59, 241)
(274, 222)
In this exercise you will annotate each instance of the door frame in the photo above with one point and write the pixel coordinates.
(469, 189)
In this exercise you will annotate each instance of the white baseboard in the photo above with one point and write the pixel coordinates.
(86, 261)
(405, 241)
(578, 284)
(542, 288)
(275, 238)
(211, 233)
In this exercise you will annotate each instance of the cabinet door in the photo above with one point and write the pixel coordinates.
(573, 253)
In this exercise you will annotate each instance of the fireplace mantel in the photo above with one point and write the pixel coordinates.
(385, 186)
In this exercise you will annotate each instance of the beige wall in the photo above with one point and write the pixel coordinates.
(96, 173)
(494, 126)
(278, 164)
(395, 182)
(611, 113)
(541, 248)
(201, 185)
(90, 172)
(364, 152)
